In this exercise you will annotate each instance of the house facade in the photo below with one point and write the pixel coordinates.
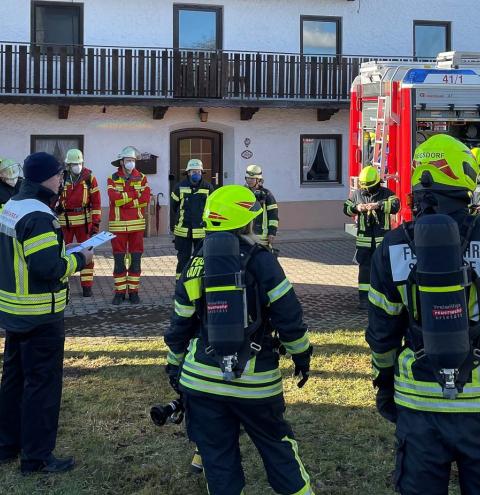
(232, 83)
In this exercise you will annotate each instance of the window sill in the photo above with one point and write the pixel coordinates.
(322, 184)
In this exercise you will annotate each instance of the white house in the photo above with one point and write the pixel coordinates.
(246, 81)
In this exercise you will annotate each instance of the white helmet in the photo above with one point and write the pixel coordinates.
(129, 152)
(194, 164)
(253, 172)
(9, 169)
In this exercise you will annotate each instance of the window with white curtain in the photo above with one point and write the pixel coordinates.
(320, 156)
(56, 145)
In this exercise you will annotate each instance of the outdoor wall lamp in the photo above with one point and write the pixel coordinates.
(203, 115)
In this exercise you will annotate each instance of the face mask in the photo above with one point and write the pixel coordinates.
(196, 177)
(11, 182)
(129, 166)
(76, 169)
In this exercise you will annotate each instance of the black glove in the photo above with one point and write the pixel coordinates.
(173, 373)
(302, 365)
(94, 229)
(386, 404)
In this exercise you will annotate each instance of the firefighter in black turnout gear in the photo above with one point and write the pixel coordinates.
(424, 325)
(372, 205)
(222, 352)
(188, 202)
(33, 296)
(265, 226)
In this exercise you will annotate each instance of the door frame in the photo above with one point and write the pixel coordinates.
(217, 150)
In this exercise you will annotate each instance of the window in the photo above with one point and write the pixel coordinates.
(57, 23)
(197, 28)
(56, 145)
(320, 35)
(430, 38)
(320, 158)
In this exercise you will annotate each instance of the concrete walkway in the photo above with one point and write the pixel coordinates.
(318, 263)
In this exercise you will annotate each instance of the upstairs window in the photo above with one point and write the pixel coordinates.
(320, 35)
(57, 23)
(197, 27)
(430, 38)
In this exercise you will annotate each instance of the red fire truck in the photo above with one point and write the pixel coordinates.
(397, 105)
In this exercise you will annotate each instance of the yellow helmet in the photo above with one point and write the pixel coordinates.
(368, 177)
(74, 156)
(444, 163)
(229, 208)
(476, 154)
(254, 172)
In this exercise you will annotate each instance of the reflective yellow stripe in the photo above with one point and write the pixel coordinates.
(364, 287)
(297, 346)
(20, 268)
(384, 359)
(273, 223)
(175, 359)
(183, 310)
(450, 288)
(272, 207)
(71, 260)
(222, 288)
(279, 291)
(175, 197)
(32, 304)
(379, 300)
(306, 490)
(349, 205)
(39, 242)
(193, 288)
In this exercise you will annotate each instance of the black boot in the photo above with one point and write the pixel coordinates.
(118, 298)
(50, 466)
(134, 298)
(87, 291)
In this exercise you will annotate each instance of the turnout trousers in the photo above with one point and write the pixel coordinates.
(428, 443)
(214, 425)
(127, 245)
(30, 392)
(185, 247)
(79, 233)
(363, 257)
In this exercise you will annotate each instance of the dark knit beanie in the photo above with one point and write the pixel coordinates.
(40, 166)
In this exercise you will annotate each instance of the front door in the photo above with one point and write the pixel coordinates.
(196, 143)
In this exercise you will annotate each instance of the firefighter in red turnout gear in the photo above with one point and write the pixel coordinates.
(79, 209)
(129, 194)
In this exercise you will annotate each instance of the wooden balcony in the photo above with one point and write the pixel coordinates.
(72, 75)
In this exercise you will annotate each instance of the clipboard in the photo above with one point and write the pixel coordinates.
(93, 242)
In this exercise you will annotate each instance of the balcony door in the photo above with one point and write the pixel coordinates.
(197, 41)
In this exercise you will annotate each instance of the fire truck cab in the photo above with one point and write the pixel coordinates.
(395, 106)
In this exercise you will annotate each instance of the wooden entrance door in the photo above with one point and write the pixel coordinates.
(196, 143)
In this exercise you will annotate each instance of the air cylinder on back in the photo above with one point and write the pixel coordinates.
(443, 305)
(224, 293)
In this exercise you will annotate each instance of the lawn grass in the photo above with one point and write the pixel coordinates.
(110, 385)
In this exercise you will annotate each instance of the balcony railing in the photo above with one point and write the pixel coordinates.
(155, 73)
